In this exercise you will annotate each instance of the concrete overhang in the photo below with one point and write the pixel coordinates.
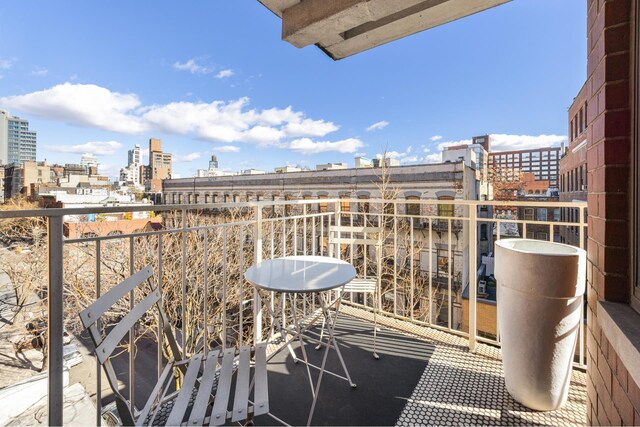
(342, 28)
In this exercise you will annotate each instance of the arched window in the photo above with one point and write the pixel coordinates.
(412, 208)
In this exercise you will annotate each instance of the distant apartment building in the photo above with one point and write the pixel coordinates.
(331, 166)
(475, 156)
(134, 155)
(573, 166)
(159, 166)
(386, 161)
(23, 178)
(214, 171)
(2, 198)
(252, 172)
(363, 162)
(89, 161)
(543, 163)
(287, 169)
(17, 142)
(30, 178)
(355, 188)
(132, 174)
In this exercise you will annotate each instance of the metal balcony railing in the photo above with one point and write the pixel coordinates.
(200, 252)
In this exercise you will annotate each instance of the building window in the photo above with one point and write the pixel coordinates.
(345, 205)
(363, 204)
(484, 236)
(528, 214)
(445, 209)
(542, 214)
(413, 208)
(322, 206)
(586, 123)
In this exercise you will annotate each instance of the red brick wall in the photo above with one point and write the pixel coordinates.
(613, 397)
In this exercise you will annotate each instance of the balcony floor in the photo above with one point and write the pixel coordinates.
(424, 376)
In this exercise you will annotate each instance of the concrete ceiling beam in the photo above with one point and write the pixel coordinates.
(374, 34)
(324, 21)
(343, 28)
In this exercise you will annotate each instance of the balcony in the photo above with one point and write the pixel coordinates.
(440, 358)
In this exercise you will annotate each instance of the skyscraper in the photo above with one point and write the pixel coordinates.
(17, 142)
(213, 163)
(159, 166)
(135, 156)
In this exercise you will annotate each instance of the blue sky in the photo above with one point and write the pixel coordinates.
(213, 77)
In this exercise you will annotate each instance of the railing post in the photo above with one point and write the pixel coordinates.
(55, 327)
(473, 273)
(257, 257)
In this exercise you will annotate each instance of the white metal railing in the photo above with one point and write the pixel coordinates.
(202, 250)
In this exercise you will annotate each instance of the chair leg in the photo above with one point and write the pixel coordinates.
(375, 331)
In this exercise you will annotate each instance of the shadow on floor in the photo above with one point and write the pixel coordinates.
(383, 386)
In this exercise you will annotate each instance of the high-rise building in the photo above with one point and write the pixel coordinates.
(133, 173)
(17, 142)
(542, 162)
(159, 166)
(135, 156)
(213, 163)
(89, 161)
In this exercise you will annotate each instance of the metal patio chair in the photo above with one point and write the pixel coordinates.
(366, 284)
(207, 379)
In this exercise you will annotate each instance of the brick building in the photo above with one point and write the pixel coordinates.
(613, 182)
(573, 165)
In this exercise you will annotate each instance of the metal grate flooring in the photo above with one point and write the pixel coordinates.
(458, 387)
(462, 388)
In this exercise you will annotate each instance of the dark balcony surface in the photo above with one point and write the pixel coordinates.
(423, 377)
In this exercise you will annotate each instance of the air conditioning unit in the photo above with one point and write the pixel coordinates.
(482, 287)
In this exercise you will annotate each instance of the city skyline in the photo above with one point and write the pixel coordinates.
(257, 104)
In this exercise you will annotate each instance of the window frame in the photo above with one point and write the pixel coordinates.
(323, 207)
(412, 209)
(445, 208)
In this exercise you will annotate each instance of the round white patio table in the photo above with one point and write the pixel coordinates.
(305, 274)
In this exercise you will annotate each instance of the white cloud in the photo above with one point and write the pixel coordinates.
(192, 66)
(307, 146)
(5, 64)
(186, 158)
(98, 148)
(435, 138)
(309, 127)
(404, 156)
(223, 74)
(433, 158)
(39, 71)
(217, 121)
(505, 142)
(227, 149)
(446, 144)
(378, 126)
(86, 105)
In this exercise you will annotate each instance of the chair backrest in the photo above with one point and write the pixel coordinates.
(355, 235)
(91, 318)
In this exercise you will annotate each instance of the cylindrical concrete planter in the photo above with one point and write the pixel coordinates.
(540, 289)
